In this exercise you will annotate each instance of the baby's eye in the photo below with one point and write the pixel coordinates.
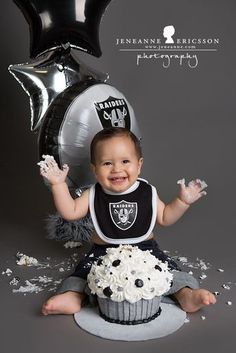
(125, 161)
(107, 163)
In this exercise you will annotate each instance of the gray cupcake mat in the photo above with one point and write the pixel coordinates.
(169, 321)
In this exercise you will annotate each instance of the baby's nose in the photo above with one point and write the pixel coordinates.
(116, 167)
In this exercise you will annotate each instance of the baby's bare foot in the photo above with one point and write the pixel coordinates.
(65, 303)
(192, 300)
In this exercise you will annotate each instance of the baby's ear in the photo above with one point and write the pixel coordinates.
(92, 166)
(140, 162)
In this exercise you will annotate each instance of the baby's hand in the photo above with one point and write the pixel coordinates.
(50, 170)
(191, 193)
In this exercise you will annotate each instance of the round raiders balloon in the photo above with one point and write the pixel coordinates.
(75, 116)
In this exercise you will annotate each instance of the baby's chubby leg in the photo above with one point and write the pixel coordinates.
(68, 299)
(66, 303)
(186, 291)
(192, 300)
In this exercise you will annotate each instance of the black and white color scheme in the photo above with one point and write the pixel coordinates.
(124, 218)
(113, 112)
(123, 213)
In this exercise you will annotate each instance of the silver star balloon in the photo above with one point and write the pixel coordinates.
(49, 75)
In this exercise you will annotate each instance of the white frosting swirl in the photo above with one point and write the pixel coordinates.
(128, 273)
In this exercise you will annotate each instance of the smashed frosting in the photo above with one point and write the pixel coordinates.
(128, 273)
(26, 260)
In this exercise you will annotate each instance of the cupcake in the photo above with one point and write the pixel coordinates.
(129, 283)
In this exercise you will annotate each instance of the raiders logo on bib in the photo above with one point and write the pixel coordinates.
(123, 213)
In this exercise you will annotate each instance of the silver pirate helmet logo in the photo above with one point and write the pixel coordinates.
(123, 213)
(113, 112)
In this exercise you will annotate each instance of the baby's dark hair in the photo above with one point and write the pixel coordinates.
(108, 133)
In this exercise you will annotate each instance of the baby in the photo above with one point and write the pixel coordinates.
(124, 210)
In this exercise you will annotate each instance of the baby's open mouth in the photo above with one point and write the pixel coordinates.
(118, 179)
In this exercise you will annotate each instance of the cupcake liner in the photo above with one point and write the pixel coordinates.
(129, 313)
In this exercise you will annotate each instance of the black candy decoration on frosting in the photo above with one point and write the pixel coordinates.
(158, 268)
(107, 292)
(99, 262)
(116, 263)
(138, 283)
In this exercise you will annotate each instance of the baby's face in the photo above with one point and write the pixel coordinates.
(117, 165)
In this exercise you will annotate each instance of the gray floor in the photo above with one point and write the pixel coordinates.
(187, 118)
(25, 329)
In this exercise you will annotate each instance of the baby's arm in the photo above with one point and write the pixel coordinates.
(68, 208)
(170, 213)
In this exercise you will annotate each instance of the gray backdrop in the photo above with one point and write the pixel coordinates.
(187, 119)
